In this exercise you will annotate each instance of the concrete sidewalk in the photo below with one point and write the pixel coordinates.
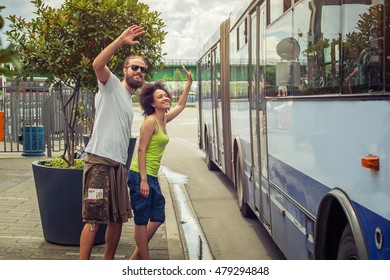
(21, 236)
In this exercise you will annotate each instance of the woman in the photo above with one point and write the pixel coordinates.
(147, 201)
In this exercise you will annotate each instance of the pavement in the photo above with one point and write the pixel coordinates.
(21, 236)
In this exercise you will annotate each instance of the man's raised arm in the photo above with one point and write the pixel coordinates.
(127, 37)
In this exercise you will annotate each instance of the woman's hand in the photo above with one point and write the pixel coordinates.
(188, 74)
(144, 189)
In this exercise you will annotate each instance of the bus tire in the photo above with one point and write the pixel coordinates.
(243, 206)
(347, 248)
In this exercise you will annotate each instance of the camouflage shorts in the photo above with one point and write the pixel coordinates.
(96, 195)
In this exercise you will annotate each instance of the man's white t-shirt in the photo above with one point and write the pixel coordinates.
(113, 119)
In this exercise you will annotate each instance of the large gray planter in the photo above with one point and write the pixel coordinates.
(59, 193)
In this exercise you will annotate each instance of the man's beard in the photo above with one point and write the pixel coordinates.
(134, 84)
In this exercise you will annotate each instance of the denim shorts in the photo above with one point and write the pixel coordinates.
(151, 208)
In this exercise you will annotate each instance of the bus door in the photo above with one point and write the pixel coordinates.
(216, 100)
(200, 105)
(254, 97)
(262, 191)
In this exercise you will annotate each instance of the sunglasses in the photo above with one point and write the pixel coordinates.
(136, 67)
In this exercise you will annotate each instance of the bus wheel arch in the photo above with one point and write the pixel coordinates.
(332, 235)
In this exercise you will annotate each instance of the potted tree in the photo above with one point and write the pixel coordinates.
(61, 44)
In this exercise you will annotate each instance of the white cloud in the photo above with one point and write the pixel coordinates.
(189, 23)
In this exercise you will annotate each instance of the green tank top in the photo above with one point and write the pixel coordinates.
(154, 153)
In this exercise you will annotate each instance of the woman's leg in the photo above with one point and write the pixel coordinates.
(150, 231)
(141, 241)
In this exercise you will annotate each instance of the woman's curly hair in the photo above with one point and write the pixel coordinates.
(146, 97)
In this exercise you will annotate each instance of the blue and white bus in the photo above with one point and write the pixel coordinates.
(294, 107)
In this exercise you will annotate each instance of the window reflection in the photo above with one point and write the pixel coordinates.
(239, 62)
(277, 62)
(341, 48)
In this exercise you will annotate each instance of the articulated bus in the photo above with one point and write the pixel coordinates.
(294, 108)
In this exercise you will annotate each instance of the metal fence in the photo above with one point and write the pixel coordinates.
(33, 119)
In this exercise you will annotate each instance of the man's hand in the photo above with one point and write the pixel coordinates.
(127, 37)
(131, 33)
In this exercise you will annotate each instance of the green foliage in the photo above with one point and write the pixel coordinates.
(61, 44)
(1, 18)
(7, 55)
(166, 78)
(178, 75)
(61, 163)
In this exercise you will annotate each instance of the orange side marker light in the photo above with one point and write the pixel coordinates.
(371, 162)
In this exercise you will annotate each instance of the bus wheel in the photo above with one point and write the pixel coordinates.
(347, 248)
(244, 208)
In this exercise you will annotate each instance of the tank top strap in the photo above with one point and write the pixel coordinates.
(158, 125)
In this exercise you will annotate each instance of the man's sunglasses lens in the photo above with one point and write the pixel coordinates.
(136, 67)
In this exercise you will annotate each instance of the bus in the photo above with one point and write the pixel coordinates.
(294, 108)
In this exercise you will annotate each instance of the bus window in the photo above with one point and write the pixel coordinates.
(238, 65)
(286, 5)
(206, 78)
(323, 47)
(276, 9)
(363, 42)
(278, 59)
(344, 48)
(217, 73)
(303, 36)
(242, 35)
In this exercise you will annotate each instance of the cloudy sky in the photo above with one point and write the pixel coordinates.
(189, 23)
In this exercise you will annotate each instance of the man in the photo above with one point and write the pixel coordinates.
(105, 193)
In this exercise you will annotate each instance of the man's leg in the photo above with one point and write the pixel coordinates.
(86, 240)
(113, 234)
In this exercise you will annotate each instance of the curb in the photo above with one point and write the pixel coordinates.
(175, 246)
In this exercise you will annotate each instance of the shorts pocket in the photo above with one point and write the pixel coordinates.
(96, 210)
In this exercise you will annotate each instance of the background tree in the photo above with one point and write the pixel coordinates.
(178, 79)
(62, 44)
(8, 54)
